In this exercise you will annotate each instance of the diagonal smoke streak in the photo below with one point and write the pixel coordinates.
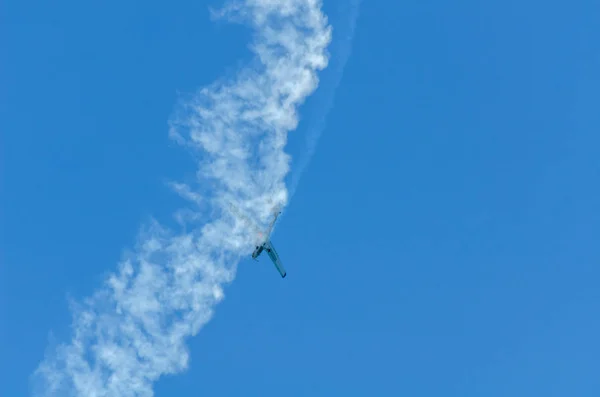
(342, 43)
(133, 329)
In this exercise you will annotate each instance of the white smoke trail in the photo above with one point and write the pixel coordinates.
(343, 36)
(133, 329)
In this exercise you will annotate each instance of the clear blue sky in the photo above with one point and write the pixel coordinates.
(442, 242)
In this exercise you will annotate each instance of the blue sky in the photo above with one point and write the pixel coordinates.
(441, 242)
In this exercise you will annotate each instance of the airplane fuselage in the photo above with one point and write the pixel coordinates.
(257, 251)
(268, 246)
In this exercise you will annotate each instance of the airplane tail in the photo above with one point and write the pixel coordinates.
(270, 229)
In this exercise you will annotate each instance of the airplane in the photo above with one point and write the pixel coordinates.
(266, 245)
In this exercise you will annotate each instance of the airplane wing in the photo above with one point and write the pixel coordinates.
(275, 258)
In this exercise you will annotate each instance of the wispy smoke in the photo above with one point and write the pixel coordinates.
(343, 36)
(133, 329)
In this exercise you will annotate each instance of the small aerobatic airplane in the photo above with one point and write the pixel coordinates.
(266, 245)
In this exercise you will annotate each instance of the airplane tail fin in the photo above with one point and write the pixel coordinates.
(276, 212)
